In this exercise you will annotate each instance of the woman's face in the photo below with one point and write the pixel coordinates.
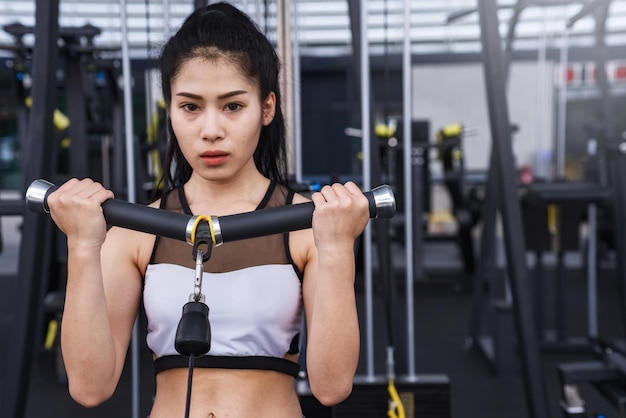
(217, 115)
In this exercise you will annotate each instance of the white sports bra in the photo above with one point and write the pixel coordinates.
(252, 289)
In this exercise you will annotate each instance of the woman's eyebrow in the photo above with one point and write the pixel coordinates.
(189, 95)
(221, 96)
(231, 94)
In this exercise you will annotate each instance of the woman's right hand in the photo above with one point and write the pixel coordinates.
(76, 208)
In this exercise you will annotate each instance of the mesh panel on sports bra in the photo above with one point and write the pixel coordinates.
(230, 256)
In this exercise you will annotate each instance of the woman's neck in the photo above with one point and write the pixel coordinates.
(223, 198)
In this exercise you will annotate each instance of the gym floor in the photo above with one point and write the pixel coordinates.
(443, 306)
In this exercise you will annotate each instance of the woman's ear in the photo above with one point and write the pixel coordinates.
(269, 108)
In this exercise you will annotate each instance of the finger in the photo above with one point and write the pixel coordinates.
(58, 194)
(353, 188)
(68, 185)
(328, 192)
(318, 198)
(349, 193)
(340, 190)
(85, 189)
(345, 197)
(95, 190)
(76, 187)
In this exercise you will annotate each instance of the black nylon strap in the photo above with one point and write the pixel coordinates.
(222, 362)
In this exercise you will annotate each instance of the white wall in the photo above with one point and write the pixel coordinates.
(455, 93)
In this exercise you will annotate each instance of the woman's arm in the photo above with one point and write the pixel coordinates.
(102, 293)
(333, 340)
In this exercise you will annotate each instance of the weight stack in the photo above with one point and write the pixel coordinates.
(425, 396)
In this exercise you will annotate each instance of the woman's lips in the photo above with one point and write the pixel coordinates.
(214, 158)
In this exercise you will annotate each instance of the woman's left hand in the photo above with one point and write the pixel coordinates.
(341, 213)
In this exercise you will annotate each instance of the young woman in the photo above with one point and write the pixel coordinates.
(227, 155)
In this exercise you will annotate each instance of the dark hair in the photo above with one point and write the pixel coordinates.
(222, 30)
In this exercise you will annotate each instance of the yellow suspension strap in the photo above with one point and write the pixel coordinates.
(395, 409)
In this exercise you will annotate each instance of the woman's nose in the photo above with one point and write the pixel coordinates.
(212, 128)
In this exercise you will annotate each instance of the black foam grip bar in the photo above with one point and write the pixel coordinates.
(175, 225)
(123, 214)
(274, 220)
(146, 219)
(266, 222)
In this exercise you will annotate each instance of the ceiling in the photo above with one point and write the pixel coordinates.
(322, 27)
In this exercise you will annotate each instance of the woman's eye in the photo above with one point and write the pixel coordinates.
(233, 107)
(190, 107)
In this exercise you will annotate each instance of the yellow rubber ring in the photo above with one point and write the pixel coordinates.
(195, 227)
(209, 220)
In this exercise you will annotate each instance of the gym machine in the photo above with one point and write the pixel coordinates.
(465, 201)
(51, 155)
(553, 213)
(465, 198)
(16, 365)
(84, 134)
(88, 83)
(374, 395)
(607, 374)
(501, 195)
(603, 374)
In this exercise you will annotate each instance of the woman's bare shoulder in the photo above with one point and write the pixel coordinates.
(300, 198)
(133, 247)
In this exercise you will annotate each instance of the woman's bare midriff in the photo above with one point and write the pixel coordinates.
(226, 394)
